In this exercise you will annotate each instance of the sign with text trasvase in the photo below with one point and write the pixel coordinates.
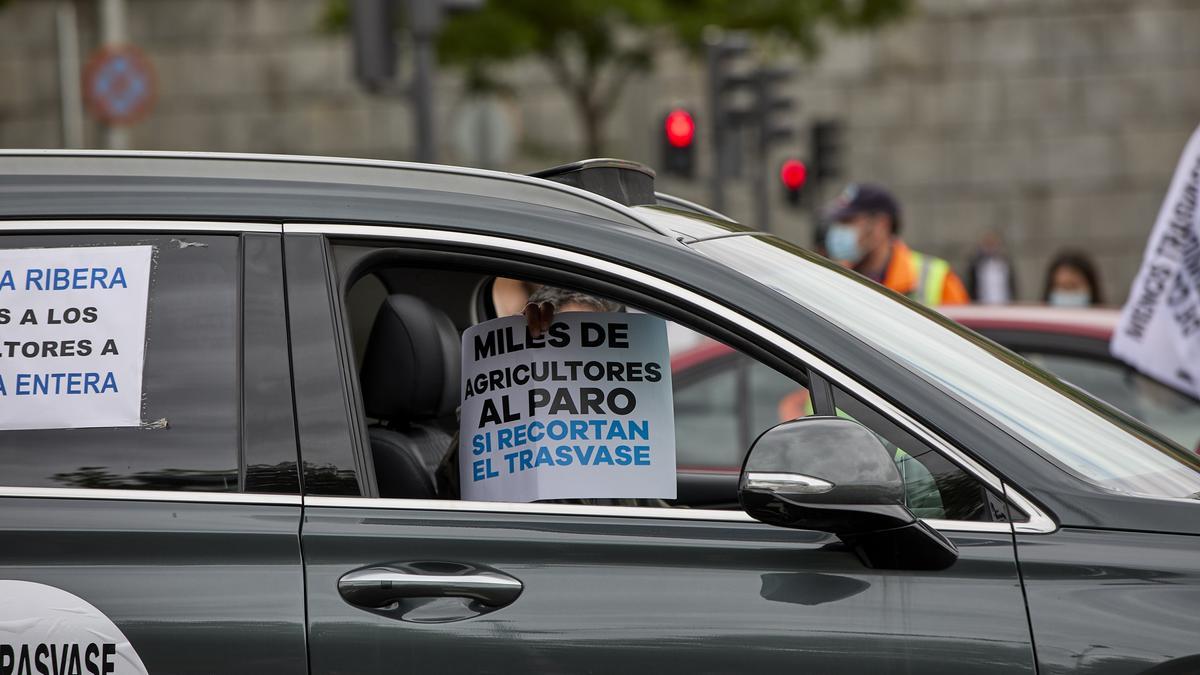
(47, 630)
(72, 336)
(1159, 330)
(582, 411)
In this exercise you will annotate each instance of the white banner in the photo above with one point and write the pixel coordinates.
(1159, 331)
(72, 336)
(44, 629)
(584, 411)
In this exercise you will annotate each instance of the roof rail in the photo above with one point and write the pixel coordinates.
(620, 180)
(665, 199)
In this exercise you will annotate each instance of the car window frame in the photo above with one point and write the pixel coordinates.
(416, 241)
(159, 227)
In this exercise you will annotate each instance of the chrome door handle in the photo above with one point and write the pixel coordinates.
(379, 586)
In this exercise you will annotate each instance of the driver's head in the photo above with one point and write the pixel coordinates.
(562, 300)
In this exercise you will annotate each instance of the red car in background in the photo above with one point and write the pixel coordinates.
(1073, 344)
(723, 401)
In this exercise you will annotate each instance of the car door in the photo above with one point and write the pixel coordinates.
(509, 587)
(169, 547)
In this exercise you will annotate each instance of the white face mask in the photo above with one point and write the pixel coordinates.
(1070, 298)
(841, 243)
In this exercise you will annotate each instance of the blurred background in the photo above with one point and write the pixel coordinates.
(1050, 123)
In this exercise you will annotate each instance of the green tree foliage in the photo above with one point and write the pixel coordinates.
(593, 47)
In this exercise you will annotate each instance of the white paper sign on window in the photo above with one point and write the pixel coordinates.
(72, 336)
(583, 411)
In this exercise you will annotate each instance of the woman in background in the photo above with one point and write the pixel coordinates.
(1071, 281)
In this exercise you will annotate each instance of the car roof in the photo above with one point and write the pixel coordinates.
(1086, 322)
(33, 180)
(689, 224)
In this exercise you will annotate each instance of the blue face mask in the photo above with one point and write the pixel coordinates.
(841, 243)
(1070, 298)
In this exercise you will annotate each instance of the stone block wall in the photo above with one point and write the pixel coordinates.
(1054, 122)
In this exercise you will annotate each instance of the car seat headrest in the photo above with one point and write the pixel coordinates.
(411, 368)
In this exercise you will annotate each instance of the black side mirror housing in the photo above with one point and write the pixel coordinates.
(833, 475)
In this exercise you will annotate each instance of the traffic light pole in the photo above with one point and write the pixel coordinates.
(425, 21)
(762, 195)
(826, 152)
(375, 57)
(716, 175)
(720, 49)
(424, 65)
(767, 102)
(113, 32)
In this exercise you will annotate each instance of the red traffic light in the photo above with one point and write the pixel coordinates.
(680, 128)
(793, 173)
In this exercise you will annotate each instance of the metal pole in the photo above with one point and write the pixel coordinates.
(70, 99)
(717, 172)
(424, 24)
(424, 63)
(112, 33)
(758, 174)
(762, 195)
(815, 211)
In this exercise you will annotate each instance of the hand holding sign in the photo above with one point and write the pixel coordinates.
(582, 410)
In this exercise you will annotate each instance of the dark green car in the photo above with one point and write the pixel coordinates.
(920, 501)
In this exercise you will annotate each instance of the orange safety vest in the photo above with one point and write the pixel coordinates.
(924, 278)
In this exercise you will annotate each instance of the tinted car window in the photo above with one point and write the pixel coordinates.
(774, 398)
(706, 417)
(934, 487)
(189, 439)
(724, 400)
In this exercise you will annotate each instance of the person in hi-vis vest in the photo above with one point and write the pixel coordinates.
(864, 235)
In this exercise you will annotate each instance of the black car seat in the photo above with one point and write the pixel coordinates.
(410, 380)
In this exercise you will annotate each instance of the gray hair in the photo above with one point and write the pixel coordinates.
(560, 297)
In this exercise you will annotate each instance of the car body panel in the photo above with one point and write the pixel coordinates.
(1103, 601)
(613, 594)
(197, 588)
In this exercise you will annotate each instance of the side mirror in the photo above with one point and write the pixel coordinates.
(833, 475)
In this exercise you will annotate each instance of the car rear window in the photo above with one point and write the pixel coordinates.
(188, 438)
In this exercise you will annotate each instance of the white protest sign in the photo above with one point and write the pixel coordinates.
(44, 629)
(583, 411)
(1159, 330)
(72, 336)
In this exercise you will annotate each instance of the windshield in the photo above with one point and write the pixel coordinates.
(1071, 428)
(1167, 411)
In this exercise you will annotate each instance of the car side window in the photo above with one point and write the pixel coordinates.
(408, 402)
(190, 433)
(706, 414)
(934, 487)
(407, 344)
(724, 400)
